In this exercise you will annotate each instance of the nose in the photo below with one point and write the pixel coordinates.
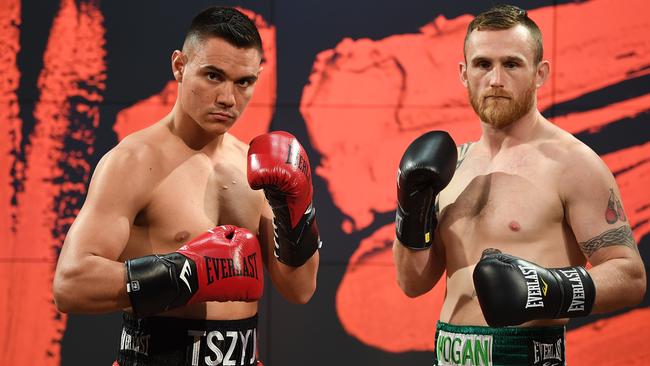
(226, 95)
(496, 77)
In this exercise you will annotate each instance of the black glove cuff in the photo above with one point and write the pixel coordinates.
(579, 292)
(294, 247)
(156, 283)
(415, 231)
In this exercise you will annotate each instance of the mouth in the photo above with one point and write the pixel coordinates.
(222, 116)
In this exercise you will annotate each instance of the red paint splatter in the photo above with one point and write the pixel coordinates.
(407, 84)
(56, 174)
(365, 308)
(10, 124)
(256, 118)
(620, 340)
(10, 127)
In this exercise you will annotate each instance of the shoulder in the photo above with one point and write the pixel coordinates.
(582, 171)
(131, 166)
(134, 151)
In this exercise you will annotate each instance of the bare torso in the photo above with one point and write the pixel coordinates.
(511, 202)
(191, 193)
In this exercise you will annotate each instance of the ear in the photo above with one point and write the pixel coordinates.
(543, 70)
(462, 70)
(178, 65)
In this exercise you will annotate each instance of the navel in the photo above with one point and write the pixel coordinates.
(514, 226)
(181, 236)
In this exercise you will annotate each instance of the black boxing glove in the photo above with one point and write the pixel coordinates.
(425, 169)
(512, 291)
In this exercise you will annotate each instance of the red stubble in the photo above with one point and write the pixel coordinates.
(256, 118)
(367, 100)
(70, 85)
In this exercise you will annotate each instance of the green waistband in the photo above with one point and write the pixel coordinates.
(477, 345)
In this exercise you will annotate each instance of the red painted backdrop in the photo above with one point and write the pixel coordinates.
(364, 101)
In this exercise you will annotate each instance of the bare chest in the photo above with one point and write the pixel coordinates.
(194, 197)
(509, 202)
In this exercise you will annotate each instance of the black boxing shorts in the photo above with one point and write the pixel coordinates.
(161, 341)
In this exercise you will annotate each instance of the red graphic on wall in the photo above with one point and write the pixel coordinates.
(53, 180)
(367, 100)
(256, 118)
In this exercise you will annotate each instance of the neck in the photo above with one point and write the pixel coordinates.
(195, 137)
(520, 131)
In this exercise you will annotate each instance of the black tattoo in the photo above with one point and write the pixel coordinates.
(618, 236)
(614, 210)
(462, 153)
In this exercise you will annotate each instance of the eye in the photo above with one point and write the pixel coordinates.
(483, 65)
(244, 83)
(213, 76)
(510, 65)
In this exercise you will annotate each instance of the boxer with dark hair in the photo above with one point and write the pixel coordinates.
(176, 228)
(512, 218)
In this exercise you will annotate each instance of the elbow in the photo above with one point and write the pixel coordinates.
(301, 296)
(639, 287)
(66, 297)
(300, 299)
(62, 297)
(409, 289)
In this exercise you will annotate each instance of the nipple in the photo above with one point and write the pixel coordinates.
(514, 226)
(181, 236)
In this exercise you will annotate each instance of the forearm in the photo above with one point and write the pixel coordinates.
(296, 284)
(92, 285)
(417, 270)
(619, 282)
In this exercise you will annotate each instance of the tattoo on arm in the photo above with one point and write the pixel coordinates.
(618, 236)
(462, 153)
(614, 210)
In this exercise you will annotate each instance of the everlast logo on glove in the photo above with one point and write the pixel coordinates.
(222, 268)
(535, 292)
(299, 161)
(578, 299)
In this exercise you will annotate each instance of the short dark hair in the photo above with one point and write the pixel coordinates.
(502, 17)
(228, 24)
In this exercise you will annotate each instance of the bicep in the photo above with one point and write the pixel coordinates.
(103, 224)
(595, 213)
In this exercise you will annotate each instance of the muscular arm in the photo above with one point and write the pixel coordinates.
(296, 284)
(595, 213)
(418, 271)
(88, 277)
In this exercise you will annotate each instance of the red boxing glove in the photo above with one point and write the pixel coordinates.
(279, 165)
(222, 264)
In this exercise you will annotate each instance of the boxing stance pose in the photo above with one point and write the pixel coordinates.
(517, 214)
(175, 229)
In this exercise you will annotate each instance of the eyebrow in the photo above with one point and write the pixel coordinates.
(517, 59)
(210, 68)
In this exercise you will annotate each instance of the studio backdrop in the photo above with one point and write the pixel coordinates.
(356, 82)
